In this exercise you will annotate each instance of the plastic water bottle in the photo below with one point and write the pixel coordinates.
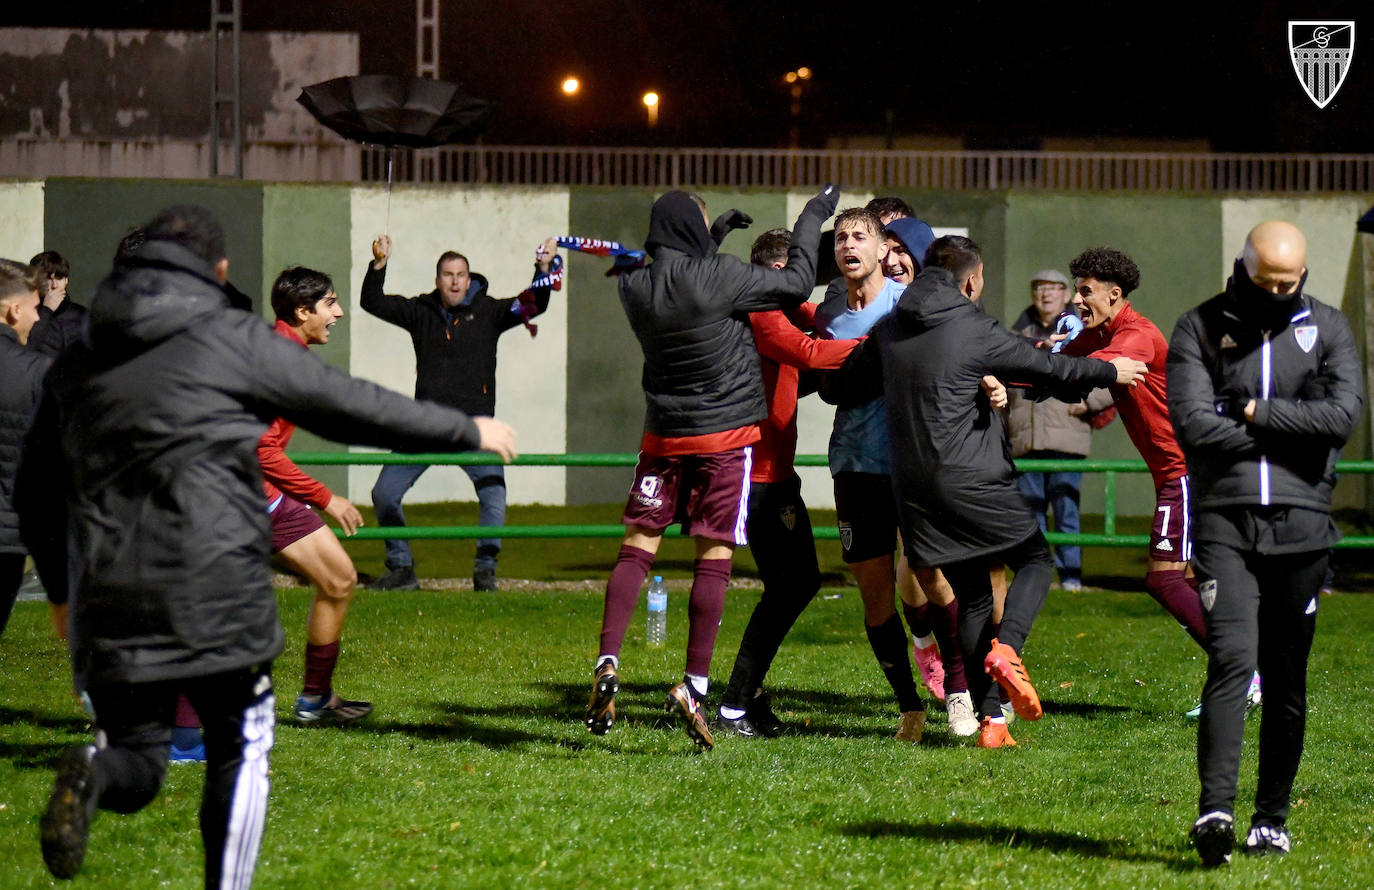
(656, 627)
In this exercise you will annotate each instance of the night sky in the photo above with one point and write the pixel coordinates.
(991, 75)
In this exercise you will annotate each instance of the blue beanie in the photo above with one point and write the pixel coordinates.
(915, 235)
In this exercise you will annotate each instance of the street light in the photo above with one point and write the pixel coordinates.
(651, 105)
(796, 80)
(571, 86)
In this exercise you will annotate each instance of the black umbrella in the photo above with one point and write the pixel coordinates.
(382, 109)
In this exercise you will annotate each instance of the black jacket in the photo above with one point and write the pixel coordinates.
(952, 474)
(455, 363)
(58, 328)
(22, 370)
(153, 424)
(690, 310)
(1299, 361)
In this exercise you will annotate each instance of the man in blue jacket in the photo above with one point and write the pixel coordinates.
(1265, 386)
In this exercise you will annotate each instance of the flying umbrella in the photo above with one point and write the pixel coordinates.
(383, 109)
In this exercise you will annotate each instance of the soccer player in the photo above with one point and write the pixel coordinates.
(306, 307)
(153, 421)
(779, 526)
(858, 454)
(953, 481)
(1104, 279)
(704, 400)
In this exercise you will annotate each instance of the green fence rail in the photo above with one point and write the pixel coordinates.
(1108, 468)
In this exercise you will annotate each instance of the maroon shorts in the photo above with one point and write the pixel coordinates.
(291, 521)
(707, 493)
(1171, 537)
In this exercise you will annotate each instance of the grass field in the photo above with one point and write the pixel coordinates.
(476, 772)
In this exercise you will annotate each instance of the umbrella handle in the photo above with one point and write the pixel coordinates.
(390, 152)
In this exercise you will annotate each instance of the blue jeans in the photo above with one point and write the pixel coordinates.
(396, 479)
(1058, 492)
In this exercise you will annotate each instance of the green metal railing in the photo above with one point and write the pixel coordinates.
(1108, 468)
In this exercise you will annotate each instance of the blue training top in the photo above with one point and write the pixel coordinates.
(858, 443)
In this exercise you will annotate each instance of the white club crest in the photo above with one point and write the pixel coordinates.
(1207, 592)
(1306, 335)
(650, 486)
(1321, 54)
(846, 536)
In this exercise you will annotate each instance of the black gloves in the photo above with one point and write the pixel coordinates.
(727, 222)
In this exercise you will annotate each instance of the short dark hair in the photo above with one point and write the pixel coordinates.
(129, 244)
(191, 226)
(770, 247)
(18, 279)
(863, 215)
(1108, 265)
(445, 257)
(889, 204)
(51, 264)
(955, 253)
(296, 288)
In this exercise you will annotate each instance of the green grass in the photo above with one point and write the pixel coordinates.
(476, 772)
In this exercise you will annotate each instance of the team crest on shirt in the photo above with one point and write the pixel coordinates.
(788, 515)
(1306, 335)
(1207, 592)
(846, 536)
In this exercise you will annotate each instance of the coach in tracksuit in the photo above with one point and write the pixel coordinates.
(152, 423)
(1264, 389)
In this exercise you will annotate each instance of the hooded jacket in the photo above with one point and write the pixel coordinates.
(1297, 358)
(952, 475)
(153, 423)
(455, 361)
(690, 308)
(22, 368)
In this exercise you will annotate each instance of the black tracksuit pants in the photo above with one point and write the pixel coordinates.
(1261, 611)
(784, 549)
(11, 579)
(1033, 570)
(134, 732)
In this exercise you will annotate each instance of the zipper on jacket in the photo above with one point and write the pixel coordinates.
(1265, 357)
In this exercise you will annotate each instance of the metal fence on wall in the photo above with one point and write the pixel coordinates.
(723, 168)
(731, 168)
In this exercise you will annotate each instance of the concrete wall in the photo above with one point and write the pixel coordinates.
(21, 220)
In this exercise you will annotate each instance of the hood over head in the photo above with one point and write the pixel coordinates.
(676, 222)
(915, 235)
(157, 291)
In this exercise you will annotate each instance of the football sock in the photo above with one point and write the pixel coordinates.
(945, 629)
(926, 641)
(710, 578)
(186, 716)
(889, 647)
(699, 685)
(731, 713)
(613, 659)
(319, 667)
(1178, 594)
(622, 592)
(918, 619)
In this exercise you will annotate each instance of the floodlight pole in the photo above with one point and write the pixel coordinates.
(226, 20)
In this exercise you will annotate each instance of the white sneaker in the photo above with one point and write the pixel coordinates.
(959, 706)
(1253, 695)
